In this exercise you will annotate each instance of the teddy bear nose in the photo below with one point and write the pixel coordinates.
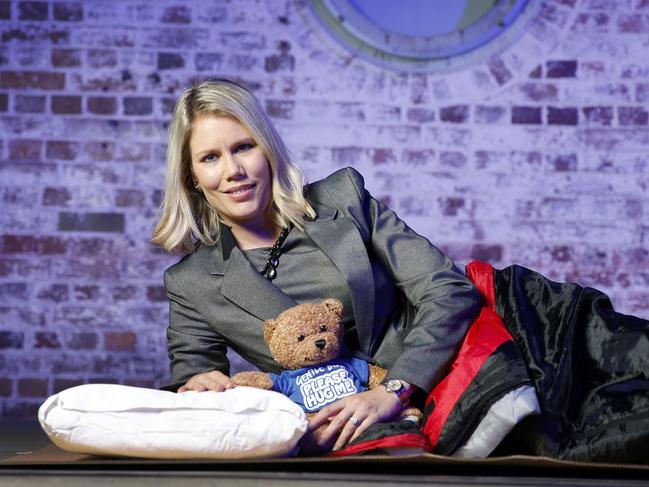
(320, 343)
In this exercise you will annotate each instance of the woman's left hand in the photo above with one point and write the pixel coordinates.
(352, 415)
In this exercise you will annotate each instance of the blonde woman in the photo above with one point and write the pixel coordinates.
(258, 241)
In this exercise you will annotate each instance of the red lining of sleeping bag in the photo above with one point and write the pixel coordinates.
(485, 335)
(398, 441)
(482, 275)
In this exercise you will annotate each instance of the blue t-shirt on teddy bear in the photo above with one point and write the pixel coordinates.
(315, 387)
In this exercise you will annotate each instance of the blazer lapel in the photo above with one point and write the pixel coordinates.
(340, 240)
(243, 285)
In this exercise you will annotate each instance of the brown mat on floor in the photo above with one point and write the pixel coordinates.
(54, 457)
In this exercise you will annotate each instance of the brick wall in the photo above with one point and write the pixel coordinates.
(538, 155)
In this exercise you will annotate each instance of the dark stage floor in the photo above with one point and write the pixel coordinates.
(22, 462)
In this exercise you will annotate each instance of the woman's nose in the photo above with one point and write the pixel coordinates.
(233, 167)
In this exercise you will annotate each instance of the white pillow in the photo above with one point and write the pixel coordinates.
(502, 416)
(110, 419)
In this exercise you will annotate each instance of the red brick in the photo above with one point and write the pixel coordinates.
(562, 116)
(62, 150)
(282, 62)
(452, 159)
(454, 114)
(13, 292)
(499, 70)
(29, 103)
(11, 339)
(21, 409)
(536, 73)
(177, 14)
(99, 151)
(526, 115)
(633, 23)
(156, 293)
(420, 115)
(598, 115)
(4, 102)
(63, 384)
(633, 115)
(489, 114)
(487, 253)
(642, 92)
(343, 155)
(32, 11)
(381, 156)
(32, 79)
(422, 157)
(102, 105)
(102, 58)
(137, 105)
(129, 198)
(120, 341)
(539, 91)
(56, 293)
(561, 69)
(46, 339)
(68, 11)
(170, 60)
(125, 293)
(208, 61)
(66, 58)
(68, 104)
(27, 244)
(83, 341)
(32, 387)
(25, 150)
(5, 10)
(6, 387)
(563, 162)
(91, 222)
(280, 109)
(451, 205)
(56, 197)
(86, 292)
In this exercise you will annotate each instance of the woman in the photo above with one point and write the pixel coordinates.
(257, 242)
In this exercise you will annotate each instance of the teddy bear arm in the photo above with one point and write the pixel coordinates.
(376, 376)
(260, 380)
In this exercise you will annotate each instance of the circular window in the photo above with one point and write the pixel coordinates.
(424, 35)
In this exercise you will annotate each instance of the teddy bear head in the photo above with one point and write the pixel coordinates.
(306, 334)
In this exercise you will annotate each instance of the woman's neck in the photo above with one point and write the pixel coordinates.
(255, 237)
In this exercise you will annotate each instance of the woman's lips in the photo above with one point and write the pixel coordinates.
(241, 192)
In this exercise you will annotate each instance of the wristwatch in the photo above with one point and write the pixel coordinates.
(399, 388)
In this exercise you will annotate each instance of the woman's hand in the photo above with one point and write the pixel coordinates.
(208, 381)
(352, 415)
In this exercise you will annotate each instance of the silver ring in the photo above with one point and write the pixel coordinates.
(354, 421)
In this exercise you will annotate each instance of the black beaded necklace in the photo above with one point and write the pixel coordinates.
(270, 269)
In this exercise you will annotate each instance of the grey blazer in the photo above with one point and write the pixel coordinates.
(411, 305)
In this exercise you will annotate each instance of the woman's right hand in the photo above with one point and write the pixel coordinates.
(208, 381)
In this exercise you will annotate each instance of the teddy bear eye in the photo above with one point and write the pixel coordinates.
(300, 338)
(323, 327)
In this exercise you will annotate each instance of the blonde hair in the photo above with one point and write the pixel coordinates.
(186, 217)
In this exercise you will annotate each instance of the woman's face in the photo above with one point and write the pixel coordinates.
(231, 171)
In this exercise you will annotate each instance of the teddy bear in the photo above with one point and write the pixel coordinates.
(306, 340)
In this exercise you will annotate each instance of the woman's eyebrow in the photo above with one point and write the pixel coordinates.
(245, 140)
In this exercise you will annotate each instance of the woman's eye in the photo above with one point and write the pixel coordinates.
(323, 328)
(243, 147)
(210, 158)
(300, 338)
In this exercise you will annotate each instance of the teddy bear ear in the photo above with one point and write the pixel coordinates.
(335, 306)
(269, 329)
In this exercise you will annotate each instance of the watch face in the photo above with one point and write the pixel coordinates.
(393, 385)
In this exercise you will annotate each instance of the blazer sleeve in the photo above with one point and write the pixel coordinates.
(193, 346)
(444, 300)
